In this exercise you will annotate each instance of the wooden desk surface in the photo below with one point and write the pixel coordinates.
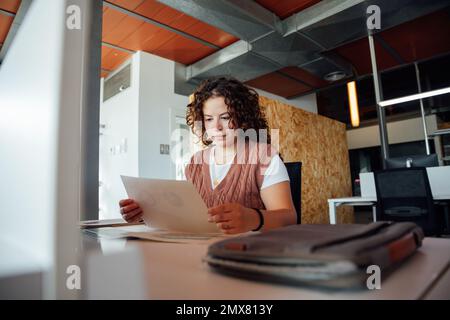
(176, 271)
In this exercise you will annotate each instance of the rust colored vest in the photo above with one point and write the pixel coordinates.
(241, 183)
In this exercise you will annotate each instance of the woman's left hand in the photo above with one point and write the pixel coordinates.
(233, 218)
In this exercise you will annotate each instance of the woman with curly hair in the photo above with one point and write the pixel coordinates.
(239, 175)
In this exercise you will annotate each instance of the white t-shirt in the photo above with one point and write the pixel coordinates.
(276, 171)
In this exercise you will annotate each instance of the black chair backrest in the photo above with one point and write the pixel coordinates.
(294, 170)
(405, 195)
(430, 160)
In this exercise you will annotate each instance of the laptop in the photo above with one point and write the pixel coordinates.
(170, 205)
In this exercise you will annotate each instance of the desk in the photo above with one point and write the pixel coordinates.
(176, 271)
(361, 201)
(351, 201)
(439, 178)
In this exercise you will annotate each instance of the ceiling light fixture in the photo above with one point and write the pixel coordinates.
(334, 76)
(413, 97)
(353, 103)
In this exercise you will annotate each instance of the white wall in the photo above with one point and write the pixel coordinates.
(158, 106)
(142, 115)
(308, 102)
(118, 142)
(398, 132)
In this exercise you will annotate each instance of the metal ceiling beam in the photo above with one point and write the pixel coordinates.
(334, 26)
(18, 18)
(422, 110)
(316, 14)
(159, 24)
(389, 49)
(244, 19)
(229, 53)
(7, 13)
(381, 115)
(257, 12)
(113, 46)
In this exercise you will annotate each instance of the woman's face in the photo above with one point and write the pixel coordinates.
(218, 122)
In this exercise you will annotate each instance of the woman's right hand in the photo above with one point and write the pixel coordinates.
(130, 210)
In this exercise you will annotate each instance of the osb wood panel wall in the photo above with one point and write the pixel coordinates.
(320, 144)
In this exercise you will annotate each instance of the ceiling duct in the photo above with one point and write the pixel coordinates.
(346, 22)
(229, 61)
(304, 39)
(242, 18)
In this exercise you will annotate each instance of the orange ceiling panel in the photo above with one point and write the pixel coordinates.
(134, 34)
(167, 15)
(150, 8)
(286, 8)
(111, 19)
(10, 5)
(183, 22)
(113, 59)
(103, 74)
(278, 84)
(124, 29)
(105, 51)
(147, 38)
(304, 76)
(5, 24)
(219, 38)
(127, 4)
(183, 50)
(421, 38)
(177, 20)
(358, 54)
(210, 34)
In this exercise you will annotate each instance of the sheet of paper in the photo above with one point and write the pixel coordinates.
(143, 232)
(182, 237)
(170, 205)
(177, 237)
(105, 223)
(111, 233)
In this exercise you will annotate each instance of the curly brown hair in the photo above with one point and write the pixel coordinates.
(242, 102)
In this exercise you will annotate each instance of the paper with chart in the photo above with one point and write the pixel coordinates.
(170, 205)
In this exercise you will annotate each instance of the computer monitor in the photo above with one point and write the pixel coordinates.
(413, 161)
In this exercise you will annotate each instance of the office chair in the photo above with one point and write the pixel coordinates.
(430, 160)
(294, 170)
(404, 194)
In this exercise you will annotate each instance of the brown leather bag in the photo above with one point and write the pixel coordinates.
(322, 255)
